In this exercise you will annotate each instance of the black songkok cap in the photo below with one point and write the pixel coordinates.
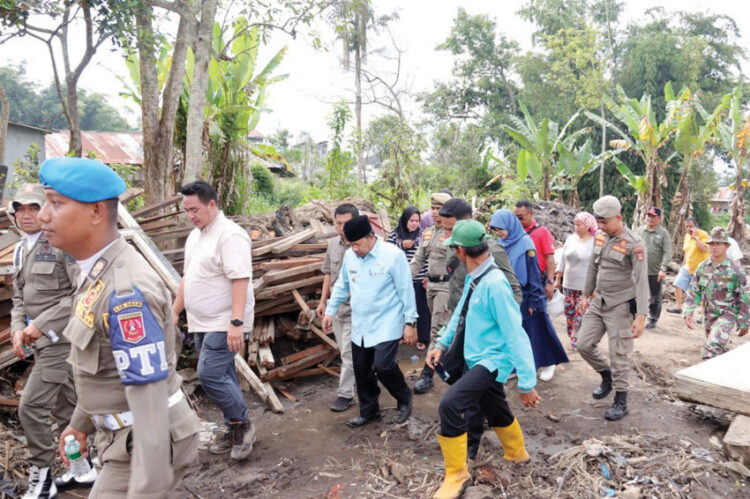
(357, 228)
(456, 208)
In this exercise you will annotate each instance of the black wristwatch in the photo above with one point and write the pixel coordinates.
(236, 322)
(412, 324)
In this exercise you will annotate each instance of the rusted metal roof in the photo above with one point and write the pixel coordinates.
(109, 147)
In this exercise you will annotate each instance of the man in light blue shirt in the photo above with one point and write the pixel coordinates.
(376, 275)
(494, 343)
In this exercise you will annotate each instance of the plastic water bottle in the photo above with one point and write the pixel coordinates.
(414, 359)
(79, 465)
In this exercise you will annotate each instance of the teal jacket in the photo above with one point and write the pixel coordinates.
(494, 335)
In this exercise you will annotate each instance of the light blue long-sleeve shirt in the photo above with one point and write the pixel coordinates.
(494, 337)
(382, 294)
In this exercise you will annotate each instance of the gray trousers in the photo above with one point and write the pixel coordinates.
(49, 391)
(218, 376)
(342, 330)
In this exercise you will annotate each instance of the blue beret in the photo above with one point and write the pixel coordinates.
(85, 180)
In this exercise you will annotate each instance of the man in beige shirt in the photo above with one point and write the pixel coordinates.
(342, 323)
(216, 292)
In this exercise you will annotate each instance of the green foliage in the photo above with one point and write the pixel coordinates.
(337, 181)
(263, 179)
(41, 107)
(25, 169)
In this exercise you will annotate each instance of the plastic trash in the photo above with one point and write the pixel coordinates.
(556, 306)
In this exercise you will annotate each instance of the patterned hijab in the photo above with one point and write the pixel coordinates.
(588, 220)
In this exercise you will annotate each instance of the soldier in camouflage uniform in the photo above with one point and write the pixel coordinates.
(721, 286)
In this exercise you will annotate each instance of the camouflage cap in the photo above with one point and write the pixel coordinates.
(27, 194)
(719, 235)
(607, 207)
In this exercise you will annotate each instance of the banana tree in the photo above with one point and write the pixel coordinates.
(539, 142)
(645, 137)
(695, 130)
(574, 163)
(734, 135)
(235, 97)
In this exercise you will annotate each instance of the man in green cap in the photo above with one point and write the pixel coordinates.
(617, 273)
(122, 340)
(44, 281)
(720, 285)
(486, 331)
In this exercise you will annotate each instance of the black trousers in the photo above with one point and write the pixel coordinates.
(655, 297)
(373, 364)
(476, 388)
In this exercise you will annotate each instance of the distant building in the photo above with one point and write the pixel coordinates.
(20, 137)
(108, 147)
(722, 200)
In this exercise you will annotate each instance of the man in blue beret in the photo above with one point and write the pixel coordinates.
(122, 339)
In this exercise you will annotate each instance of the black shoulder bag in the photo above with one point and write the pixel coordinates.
(453, 361)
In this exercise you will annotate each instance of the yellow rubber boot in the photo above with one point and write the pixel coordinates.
(511, 437)
(456, 472)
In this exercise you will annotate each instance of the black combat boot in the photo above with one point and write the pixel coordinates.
(619, 408)
(606, 385)
(424, 383)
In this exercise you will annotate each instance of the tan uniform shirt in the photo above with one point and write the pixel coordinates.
(123, 356)
(332, 265)
(436, 254)
(617, 270)
(44, 281)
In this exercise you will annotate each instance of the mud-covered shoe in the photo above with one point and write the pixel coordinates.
(341, 404)
(41, 485)
(243, 439)
(224, 443)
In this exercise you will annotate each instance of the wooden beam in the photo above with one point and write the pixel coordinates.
(157, 206)
(311, 360)
(723, 381)
(285, 243)
(265, 358)
(130, 194)
(256, 384)
(290, 262)
(277, 275)
(283, 288)
(302, 354)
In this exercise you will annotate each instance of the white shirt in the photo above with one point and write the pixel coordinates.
(31, 239)
(214, 257)
(87, 264)
(574, 263)
(734, 253)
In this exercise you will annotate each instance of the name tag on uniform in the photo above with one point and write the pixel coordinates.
(621, 247)
(44, 257)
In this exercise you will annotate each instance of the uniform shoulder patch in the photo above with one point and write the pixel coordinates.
(600, 239)
(97, 269)
(531, 253)
(137, 340)
(638, 253)
(427, 234)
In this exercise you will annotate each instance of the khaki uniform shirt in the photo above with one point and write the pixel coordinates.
(123, 356)
(617, 271)
(436, 254)
(332, 265)
(44, 281)
(503, 263)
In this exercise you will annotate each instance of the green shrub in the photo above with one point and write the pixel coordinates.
(262, 179)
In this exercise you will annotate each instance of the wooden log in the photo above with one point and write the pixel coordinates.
(722, 381)
(311, 360)
(265, 357)
(273, 400)
(255, 383)
(252, 353)
(5, 336)
(306, 309)
(158, 225)
(288, 395)
(285, 243)
(289, 307)
(317, 227)
(274, 291)
(269, 333)
(9, 402)
(275, 276)
(289, 262)
(258, 327)
(303, 353)
(306, 372)
(328, 370)
(157, 206)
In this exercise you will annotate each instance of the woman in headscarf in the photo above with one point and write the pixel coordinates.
(570, 275)
(548, 351)
(407, 236)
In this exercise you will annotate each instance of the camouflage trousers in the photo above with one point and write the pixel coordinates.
(718, 330)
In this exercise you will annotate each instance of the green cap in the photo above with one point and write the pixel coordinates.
(467, 234)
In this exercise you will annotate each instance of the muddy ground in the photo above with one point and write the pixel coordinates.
(663, 448)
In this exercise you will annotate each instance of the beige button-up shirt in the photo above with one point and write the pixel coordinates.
(214, 257)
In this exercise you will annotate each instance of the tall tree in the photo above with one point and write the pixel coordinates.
(30, 19)
(735, 138)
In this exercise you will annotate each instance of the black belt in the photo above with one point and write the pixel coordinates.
(438, 278)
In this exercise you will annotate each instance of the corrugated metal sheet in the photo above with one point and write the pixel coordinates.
(109, 147)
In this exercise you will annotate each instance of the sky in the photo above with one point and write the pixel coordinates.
(316, 80)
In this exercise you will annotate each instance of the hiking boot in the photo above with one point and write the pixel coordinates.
(41, 485)
(223, 444)
(651, 324)
(424, 383)
(243, 439)
(341, 404)
(68, 479)
(619, 408)
(606, 385)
